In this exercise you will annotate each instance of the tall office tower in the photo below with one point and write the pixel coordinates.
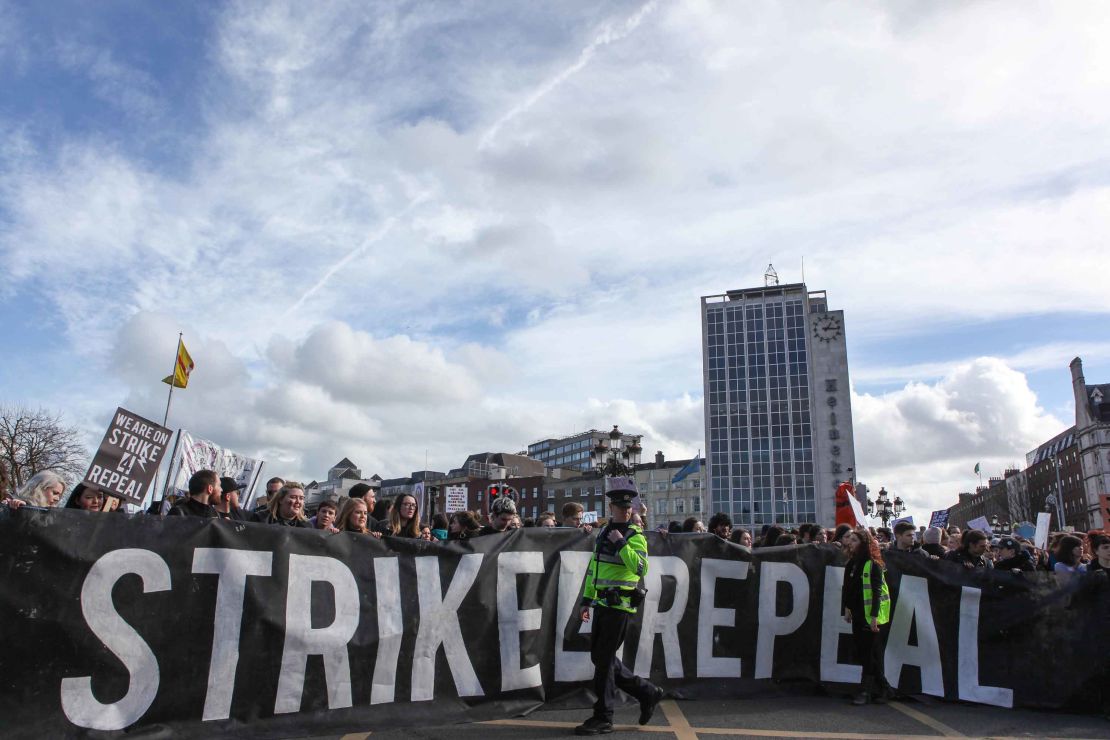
(778, 414)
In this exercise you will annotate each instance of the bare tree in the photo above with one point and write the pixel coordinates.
(31, 441)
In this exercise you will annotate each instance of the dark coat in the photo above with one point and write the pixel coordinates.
(191, 507)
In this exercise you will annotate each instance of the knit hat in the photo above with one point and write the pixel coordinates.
(932, 536)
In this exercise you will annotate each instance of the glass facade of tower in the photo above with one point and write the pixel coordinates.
(760, 432)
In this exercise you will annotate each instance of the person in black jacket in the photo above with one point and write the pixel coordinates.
(85, 498)
(973, 547)
(286, 508)
(1010, 556)
(865, 603)
(204, 488)
(227, 503)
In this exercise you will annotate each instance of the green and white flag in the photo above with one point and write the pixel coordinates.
(977, 468)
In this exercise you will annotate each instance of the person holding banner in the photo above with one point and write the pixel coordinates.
(286, 508)
(973, 548)
(463, 525)
(1100, 545)
(865, 601)
(404, 519)
(1069, 554)
(354, 517)
(204, 488)
(85, 498)
(613, 589)
(227, 503)
(934, 541)
(43, 489)
(325, 516)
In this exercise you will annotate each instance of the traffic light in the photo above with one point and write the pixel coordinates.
(494, 490)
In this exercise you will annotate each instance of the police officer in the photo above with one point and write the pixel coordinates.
(613, 587)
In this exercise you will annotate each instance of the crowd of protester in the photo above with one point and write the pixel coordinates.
(865, 596)
(361, 511)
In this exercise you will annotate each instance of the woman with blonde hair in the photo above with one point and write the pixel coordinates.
(404, 517)
(354, 516)
(43, 489)
(286, 508)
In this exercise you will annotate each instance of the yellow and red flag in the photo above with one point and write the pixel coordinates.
(181, 370)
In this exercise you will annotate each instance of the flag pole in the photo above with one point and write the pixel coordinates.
(169, 470)
(173, 380)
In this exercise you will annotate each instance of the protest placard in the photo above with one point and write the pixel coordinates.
(455, 499)
(589, 517)
(980, 523)
(857, 511)
(195, 454)
(939, 518)
(128, 457)
(1040, 538)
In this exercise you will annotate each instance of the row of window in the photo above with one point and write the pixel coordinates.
(678, 506)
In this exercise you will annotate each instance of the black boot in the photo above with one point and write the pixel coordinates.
(883, 693)
(864, 694)
(647, 706)
(594, 726)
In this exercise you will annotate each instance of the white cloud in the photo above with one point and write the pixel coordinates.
(1050, 356)
(926, 439)
(354, 366)
(335, 241)
(129, 89)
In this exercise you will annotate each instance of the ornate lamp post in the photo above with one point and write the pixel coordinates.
(616, 458)
(884, 508)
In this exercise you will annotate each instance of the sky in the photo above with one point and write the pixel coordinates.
(403, 231)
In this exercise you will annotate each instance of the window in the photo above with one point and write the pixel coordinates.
(599, 507)
(695, 504)
(680, 506)
(660, 506)
(661, 485)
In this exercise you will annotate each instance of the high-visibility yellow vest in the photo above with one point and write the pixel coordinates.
(883, 615)
(619, 567)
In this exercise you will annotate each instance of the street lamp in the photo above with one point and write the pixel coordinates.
(884, 508)
(615, 458)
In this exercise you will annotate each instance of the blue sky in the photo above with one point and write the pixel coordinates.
(386, 228)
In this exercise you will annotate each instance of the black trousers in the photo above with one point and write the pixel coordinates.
(869, 652)
(607, 634)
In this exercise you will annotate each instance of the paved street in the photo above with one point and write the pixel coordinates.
(789, 715)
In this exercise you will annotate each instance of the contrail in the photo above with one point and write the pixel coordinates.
(377, 236)
(608, 35)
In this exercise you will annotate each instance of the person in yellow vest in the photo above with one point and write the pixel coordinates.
(865, 601)
(614, 590)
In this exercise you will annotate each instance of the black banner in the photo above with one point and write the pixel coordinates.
(204, 628)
